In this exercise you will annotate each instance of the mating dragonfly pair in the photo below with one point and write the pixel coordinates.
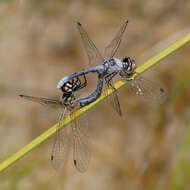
(76, 136)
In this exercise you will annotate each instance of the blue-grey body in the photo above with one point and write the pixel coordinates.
(95, 94)
(110, 66)
(107, 68)
(64, 80)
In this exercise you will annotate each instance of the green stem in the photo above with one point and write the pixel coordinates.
(47, 134)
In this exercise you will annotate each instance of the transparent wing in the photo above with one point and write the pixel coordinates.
(83, 124)
(62, 142)
(112, 48)
(44, 101)
(81, 144)
(94, 56)
(148, 90)
(113, 100)
(61, 145)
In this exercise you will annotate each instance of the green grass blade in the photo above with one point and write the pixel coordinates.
(47, 134)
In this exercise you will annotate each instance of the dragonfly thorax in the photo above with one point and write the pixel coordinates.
(113, 65)
(68, 99)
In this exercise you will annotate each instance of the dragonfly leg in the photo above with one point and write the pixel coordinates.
(81, 85)
(109, 78)
(114, 97)
(132, 76)
(76, 83)
(85, 81)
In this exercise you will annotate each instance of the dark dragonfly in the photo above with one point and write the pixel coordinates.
(110, 67)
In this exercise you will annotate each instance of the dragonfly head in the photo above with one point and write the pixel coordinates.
(67, 88)
(128, 66)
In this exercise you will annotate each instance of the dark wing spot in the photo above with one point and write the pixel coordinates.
(161, 90)
(52, 157)
(79, 23)
(75, 162)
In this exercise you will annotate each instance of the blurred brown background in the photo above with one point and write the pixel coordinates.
(39, 44)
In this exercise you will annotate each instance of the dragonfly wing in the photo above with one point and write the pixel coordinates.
(44, 101)
(81, 145)
(94, 56)
(112, 48)
(62, 142)
(113, 99)
(148, 90)
(61, 145)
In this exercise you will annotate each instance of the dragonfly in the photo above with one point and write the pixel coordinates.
(110, 67)
(106, 68)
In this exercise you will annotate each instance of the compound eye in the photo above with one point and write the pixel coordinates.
(126, 60)
(64, 88)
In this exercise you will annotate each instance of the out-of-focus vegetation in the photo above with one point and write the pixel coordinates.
(148, 147)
